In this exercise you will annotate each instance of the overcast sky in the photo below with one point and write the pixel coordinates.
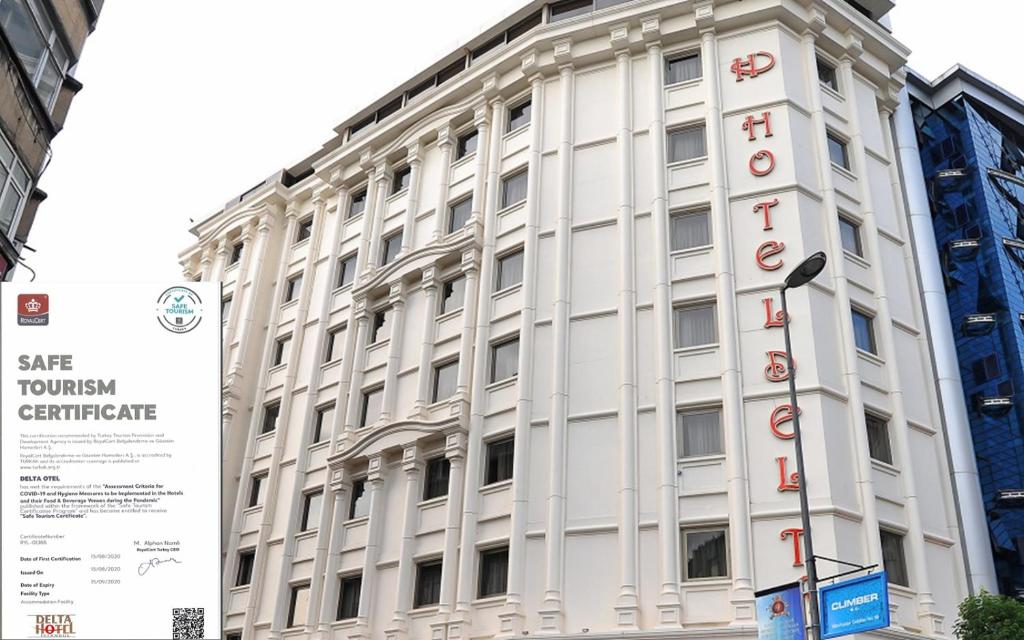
(189, 103)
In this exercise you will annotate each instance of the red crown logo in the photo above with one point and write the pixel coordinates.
(33, 306)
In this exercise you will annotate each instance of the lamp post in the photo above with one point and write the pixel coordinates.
(801, 275)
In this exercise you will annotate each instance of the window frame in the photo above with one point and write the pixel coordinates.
(693, 306)
(401, 180)
(687, 213)
(349, 579)
(292, 287)
(844, 144)
(684, 538)
(331, 342)
(225, 307)
(431, 563)
(257, 483)
(499, 268)
(451, 213)
(307, 497)
(693, 126)
(303, 230)
(856, 312)
(249, 553)
(282, 350)
(339, 280)
(15, 169)
(364, 404)
(385, 245)
(872, 417)
(450, 282)
(353, 499)
(681, 413)
(318, 421)
(903, 571)
(858, 241)
(483, 554)
(461, 138)
(508, 177)
(293, 600)
(361, 195)
(274, 407)
(506, 439)
(53, 50)
(435, 378)
(236, 253)
(375, 328)
(678, 57)
(833, 84)
(494, 346)
(442, 491)
(528, 104)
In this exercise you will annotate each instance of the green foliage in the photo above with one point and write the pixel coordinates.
(990, 617)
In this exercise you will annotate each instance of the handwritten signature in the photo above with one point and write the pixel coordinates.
(155, 562)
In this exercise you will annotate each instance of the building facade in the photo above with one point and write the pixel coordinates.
(40, 44)
(970, 135)
(505, 357)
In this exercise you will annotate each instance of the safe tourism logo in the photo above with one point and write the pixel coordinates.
(33, 309)
(179, 309)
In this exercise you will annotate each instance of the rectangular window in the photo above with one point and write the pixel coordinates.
(435, 483)
(985, 368)
(348, 597)
(305, 229)
(245, 561)
(493, 572)
(453, 294)
(233, 636)
(705, 554)
(257, 489)
(894, 561)
(380, 323)
(401, 180)
(14, 176)
(699, 433)
(359, 504)
(518, 116)
(428, 584)
(299, 605)
(570, 9)
(682, 68)
(311, 504)
(837, 152)
(690, 229)
(334, 345)
(687, 144)
(498, 465)
(510, 270)
(270, 413)
(879, 446)
(827, 75)
(459, 213)
(466, 144)
(281, 349)
(36, 45)
(849, 234)
(322, 423)
(371, 406)
(392, 245)
(505, 360)
(445, 380)
(236, 253)
(863, 332)
(346, 270)
(357, 205)
(292, 288)
(513, 189)
(696, 325)
(225, 308)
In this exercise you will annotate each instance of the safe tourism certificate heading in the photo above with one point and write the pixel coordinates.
(110, 461)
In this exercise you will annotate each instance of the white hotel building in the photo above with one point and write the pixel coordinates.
(504, 357)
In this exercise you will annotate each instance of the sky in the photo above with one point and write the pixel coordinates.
(188, 103)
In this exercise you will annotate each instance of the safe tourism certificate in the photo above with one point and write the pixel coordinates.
(109, 467)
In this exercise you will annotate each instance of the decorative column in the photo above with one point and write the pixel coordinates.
(252, 261)
(340, 486)
(483, 124)
(361, 317)
(382, 177)
(423, 398)
(220, 261)
(470, 269)
(415, 160)
(455, 451)
(627, 605)
(741, 566)
(445, 141)
(206, 262)
(367, 595)
(237, 295)
(669, 603)
(397, 299)
(363, 256)
(412, 465)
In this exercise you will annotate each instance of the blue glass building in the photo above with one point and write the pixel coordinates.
(970, 134)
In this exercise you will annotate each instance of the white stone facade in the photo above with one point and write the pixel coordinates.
(602, 496)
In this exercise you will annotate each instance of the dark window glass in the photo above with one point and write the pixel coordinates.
(380, 320)
(245, 562)
(827, 75)
(519, 116)
(298, 606)
(690, 229)
(359, 503)
(459, 213)
(570, 9)
(706, 555)
(699, 433)
(687, 144)
(233, 636)
(505, 360)
(225, 308)
(362, 124)
(322, 422)
(445, 380)
(257, 490)
(452, 70)
(682, 68)
(420, 88)
(893, 559)
(837, 152)
(513, 189)
(346, 270)
(849, 233)
(292, 288)
(270, 413)
(879, 446)
(493, 572)
(466, 144)
(311, 504)
(348, 597)
(985, 368)
(524, 26)
(305, 229)
(436, 481)
(453, 294)
(333, 347)
(510, 271)
(358, 204)
(863, 332)
(281, 349)
(392, 245)
(488, 46)
(401, 180)
(428, 584)
(389, 108)
(371, 406)
(236, 253)
(696, 325)
(499, 461)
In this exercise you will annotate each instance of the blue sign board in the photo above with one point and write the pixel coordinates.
(855, 606)
(780, 613)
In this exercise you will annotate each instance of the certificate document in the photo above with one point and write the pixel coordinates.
(110, 460)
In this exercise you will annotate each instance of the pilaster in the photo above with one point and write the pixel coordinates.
(426, 372)
(412, 467)
(414, 158)
(396, 297)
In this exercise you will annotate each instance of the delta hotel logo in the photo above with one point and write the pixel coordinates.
(54, 625)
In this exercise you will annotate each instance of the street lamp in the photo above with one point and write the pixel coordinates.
(801, 275)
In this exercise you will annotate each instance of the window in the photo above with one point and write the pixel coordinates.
(257, 489)
(696, 325)
(513, 189)
(863, 332)
(299, 605)
(401, 180)
(690, 229)
(466, 144)
(459, 213)
(493, 572)
(849, 235)
(322, 422)
(510, 270)
(225, 308)
(428, 584)
(879, 446)
(498, 465)
(518, 116)
(445, 380)
(505, 360)
(305, 229)
(14, 181)
(348, 597)
(357, 205)
(380, 321)
(292, 288)
(837, 152)
(233, 636)
(893, 559)
(245, 561)
(570, 9)
(827, 75)
(453, 294)
(985, 368)
(333, 347)
(435, 484)
(371, 406)
(270, 413)
(346, 270)
(392, 245)
(35, 42)
(281, 349)
(705, 554)
(699, 433)
(359, 503)
(682, 68)
(311, 504)
(687, 144)
(236, 253)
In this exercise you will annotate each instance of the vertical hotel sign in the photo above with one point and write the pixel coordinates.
(780, 613)
(110, 461)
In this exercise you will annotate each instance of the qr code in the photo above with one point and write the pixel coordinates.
(188, 624)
